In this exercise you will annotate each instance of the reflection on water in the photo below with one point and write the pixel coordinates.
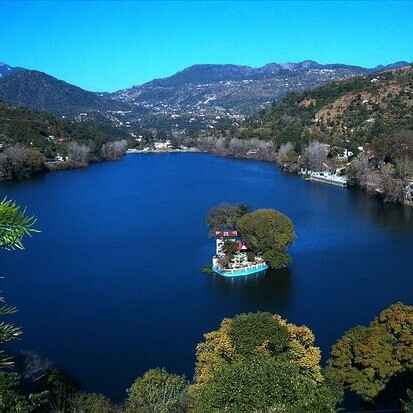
(387, 215)
(259, 291)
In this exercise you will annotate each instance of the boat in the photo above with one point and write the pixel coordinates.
(241, 263)
(325, 177)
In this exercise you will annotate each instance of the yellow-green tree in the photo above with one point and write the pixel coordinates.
(366, 358)
(260, 339)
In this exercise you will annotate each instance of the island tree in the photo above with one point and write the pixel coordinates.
(225, 217)
(268, 233)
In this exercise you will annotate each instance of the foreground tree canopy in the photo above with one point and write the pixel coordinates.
(268, 233)
(267, 385)
(365, 359)
(252, 361)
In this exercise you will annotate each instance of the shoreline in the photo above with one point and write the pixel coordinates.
(285, 168)
(188, 150)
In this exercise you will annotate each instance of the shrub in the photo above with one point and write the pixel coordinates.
(157, 391)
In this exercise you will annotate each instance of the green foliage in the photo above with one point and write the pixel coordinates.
(29, 137)
(252, 384)
(14, 225)
(255, 335)
(408, 404)
(230, 248)
(12, 400)
(91, 403)
(250, 331)
(157, 391)
(268, 233)
(350, 113)
(366, 358)
(225, 216)
(61, 390)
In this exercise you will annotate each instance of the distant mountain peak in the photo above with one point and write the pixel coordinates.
(5, 69)
(391, 66)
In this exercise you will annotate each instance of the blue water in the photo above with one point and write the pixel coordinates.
(112, 285)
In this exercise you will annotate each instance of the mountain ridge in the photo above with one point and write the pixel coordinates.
(197, 98)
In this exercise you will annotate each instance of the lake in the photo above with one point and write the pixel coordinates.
(112, 286)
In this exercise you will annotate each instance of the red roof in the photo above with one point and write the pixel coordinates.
(220, 234)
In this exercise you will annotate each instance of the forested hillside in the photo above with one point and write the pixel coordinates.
(346, 113)
(40, 91)
(28, 139)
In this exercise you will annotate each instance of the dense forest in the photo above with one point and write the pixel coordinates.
(33, 141)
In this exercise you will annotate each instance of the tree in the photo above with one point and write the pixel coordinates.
(252, 335)
(268, 233)
(225, 216)
(19, 162)
(366, 358)
(157, 391)
(253, 384)
(91, 403)
(114, 150)
(78, 153)
(408, 404)
(286, 153)
(315, 156)
(11, 399)
(61, 390)
(14, 225)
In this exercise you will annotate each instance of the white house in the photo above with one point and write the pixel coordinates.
(162, 145)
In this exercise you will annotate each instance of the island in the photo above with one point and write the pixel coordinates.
(249, 242)
(233, 257)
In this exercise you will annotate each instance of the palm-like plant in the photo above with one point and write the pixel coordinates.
(14, 225)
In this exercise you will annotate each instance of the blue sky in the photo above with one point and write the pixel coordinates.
(104, 45)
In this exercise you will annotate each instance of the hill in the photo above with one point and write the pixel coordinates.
(345, 113)
(5, 69)
(48, 133)
(200, 98)
(209, 97)
(240, 89)
(39, 91)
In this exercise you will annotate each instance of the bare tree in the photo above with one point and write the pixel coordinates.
(18, 162)
(78, 153)
(114, 150)
(404, 167)
(359, 170)
(315, 156)
(392, 186)
(286, 153)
